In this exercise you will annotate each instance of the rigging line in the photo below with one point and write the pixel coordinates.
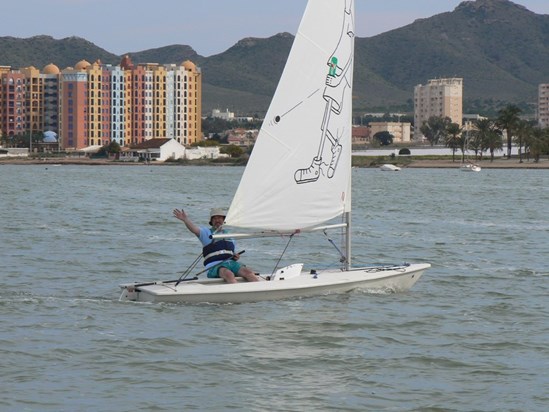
(342, 259)
(282, 254)
(190, 268)
(299, 103)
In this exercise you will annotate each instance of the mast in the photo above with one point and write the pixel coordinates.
(347, 217)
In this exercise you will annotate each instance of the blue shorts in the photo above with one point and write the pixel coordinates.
(232, 265)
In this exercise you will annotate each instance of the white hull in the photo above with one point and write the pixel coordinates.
(470, 168)
(303, 284)
(389, 168)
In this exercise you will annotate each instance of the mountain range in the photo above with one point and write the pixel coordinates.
(499, 48)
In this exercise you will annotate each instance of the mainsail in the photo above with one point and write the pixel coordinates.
(299, 174)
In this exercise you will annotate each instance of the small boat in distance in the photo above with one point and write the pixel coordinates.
(466, 164)
(470, 167)
(389, 168)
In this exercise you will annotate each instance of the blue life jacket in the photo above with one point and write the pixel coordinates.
(218, 251)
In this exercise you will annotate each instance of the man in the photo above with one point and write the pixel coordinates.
(219, 255)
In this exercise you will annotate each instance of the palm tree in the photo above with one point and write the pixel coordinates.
(475, 143)
(435, 128)
(454, 140)
(490, 136)
(507, 120)
(523, 131)
(537, 142)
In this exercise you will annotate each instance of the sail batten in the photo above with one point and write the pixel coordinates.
(298, 175)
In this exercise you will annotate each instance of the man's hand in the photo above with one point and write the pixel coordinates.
(180, 214)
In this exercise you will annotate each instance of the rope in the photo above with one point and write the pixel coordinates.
(282, 254)
(342, 258)
(189, 269)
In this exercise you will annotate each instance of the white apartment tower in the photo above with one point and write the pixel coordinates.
(441, 98)
(543, 105)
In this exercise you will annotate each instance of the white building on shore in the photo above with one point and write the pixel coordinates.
(543, 105)
(226, 115)
(439, 98)
(399, 130)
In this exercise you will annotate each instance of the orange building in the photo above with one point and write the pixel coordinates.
(34, 101)
(73, 91)
(192, 102)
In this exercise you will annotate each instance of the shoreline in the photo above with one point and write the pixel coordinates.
(408, 163)
(485, 164)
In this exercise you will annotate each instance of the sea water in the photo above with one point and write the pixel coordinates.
(471, 335)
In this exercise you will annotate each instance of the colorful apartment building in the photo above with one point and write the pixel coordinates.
(93, 104)
(440, 98)
(13, 111)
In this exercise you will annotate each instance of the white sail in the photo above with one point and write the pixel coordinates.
(299, 174)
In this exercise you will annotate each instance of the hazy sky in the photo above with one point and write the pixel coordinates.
(208, 26)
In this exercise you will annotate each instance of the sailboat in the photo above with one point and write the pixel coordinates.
(298, 178)
(466, 165)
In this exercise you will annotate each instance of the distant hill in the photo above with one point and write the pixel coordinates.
(252, 66)
(501, 49)
(39, 51)
(169, 54)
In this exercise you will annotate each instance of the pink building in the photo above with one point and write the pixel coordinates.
(12, 104)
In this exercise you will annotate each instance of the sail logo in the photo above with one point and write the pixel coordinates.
(333, 67)
(337, 87)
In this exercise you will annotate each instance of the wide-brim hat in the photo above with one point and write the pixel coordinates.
(217, 211)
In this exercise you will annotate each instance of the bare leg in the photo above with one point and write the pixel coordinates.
(247, 274)
(227, 275)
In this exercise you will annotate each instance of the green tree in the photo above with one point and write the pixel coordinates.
(113, 147)
(508, 119)
(3, 139)
(455, 140)
(107, 149)
(523, 132)
(489, 135)
(206, 143)
(215, 125)
(19, 140)
(435, 129)
(232, 150)
(537, 143)
(474, 142)
(384, 137)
